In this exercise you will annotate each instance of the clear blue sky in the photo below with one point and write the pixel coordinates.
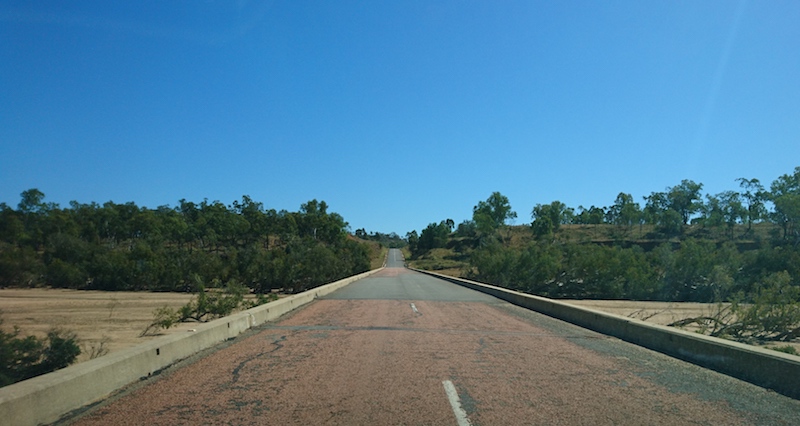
(396, 113)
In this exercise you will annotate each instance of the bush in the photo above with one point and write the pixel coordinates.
(25, 357)
(772, 315)
(209, 304)
(163, 318)
(788, 349)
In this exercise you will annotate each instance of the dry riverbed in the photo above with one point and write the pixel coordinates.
(103, 321)
(110, 321)
(662, 313)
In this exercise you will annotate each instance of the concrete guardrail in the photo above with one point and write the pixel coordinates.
(47, 398)
(763, 367)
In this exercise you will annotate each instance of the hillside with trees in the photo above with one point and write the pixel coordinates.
(127, 247)
(740, 246)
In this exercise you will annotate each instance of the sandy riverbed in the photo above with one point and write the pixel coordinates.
(114, 320)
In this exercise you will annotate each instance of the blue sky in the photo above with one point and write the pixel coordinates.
(396, 113)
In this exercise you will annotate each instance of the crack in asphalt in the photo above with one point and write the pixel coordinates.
(235, 372)
(481, 346)
(434, 330)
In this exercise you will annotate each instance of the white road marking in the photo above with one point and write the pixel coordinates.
(455, 403)
(414, 308)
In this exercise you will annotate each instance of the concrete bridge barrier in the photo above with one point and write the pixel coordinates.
(763, 367)
(47, 398)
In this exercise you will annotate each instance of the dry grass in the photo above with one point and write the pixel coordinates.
(114, 320)
(102, 320)
(662, 313)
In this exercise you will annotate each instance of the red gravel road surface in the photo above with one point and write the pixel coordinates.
(402, 348)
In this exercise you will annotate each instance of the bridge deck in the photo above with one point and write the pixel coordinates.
(404, 348)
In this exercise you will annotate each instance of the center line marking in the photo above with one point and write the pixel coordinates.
(414, 308)
(455, 403)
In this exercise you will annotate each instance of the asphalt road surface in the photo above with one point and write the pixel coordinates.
(403, 348)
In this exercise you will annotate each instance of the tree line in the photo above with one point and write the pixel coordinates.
(390, 240)
(688, 247)
(671, 210)
(126, 247)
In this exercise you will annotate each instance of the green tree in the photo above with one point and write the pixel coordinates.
(496, 264)
(433, 236)
(658, 211)
(492, 214)
(24, 357)
(591, 216)
(258, 221)
(32, 202)
(724, 209)
(12, 228)
(785, 195)
(754, 197)
(685, 199)
(539, 267)
(413, 241)
(314, 221)
(547, 218)
(33, 211)
(624, 212)
(466, 229)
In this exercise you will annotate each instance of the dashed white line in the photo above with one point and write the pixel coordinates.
(455, 403)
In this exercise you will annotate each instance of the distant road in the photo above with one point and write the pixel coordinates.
(404, 348)
(395, 259)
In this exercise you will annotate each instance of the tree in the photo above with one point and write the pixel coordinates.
(25, 357)
(493, 213)
(671, 209)
(542, 225)
(413, 241)
(591, 216)
(754, 197)
(127, 247)
(433, 236)
(12, 229)
(733, 211)
(33, 210)
(624, 212)
(314, 221)
(685, 199)
(32, 202)
(724, 208)
(772, 314)
(547, 218)
(253, 213)
(466, 228)
(658, 211)
(785, 194)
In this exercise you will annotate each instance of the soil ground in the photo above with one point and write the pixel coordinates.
(662, 313)
(103, 321)
(110, 321)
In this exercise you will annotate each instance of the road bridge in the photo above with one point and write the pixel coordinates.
(401, 347)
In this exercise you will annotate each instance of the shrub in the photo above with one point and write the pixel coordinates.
(25, 357)
(788, 349)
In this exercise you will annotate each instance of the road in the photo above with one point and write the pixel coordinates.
(404, 348)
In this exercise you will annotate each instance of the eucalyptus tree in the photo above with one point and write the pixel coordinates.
(685, 198)
(726, 209)
(624, 212)
(785, 195)
(547, 218)
(754, 197)
(433, 236)
(493, 213)
(591, 216)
